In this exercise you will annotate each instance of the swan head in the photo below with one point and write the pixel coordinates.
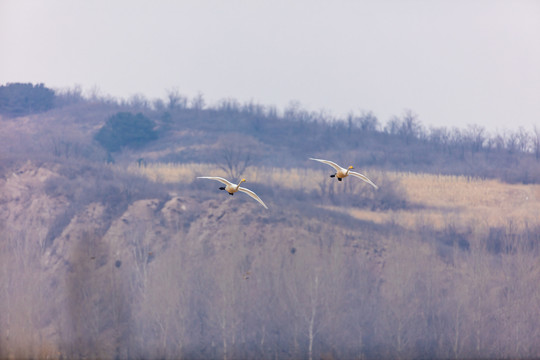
(351, 167)
(243, 180)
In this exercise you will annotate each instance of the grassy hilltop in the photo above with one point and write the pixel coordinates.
(111, 248)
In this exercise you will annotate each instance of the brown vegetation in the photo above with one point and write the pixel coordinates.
(137, 259)
(178, 276)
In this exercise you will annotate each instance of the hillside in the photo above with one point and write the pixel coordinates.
(128, 255)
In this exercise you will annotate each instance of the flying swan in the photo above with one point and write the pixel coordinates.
(232, 188)
(343, 173)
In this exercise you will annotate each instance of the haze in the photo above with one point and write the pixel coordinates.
(453, 63)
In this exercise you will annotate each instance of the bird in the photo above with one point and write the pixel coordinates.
(342, 173)
(232, 188)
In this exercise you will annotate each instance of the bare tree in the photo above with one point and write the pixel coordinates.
(139, 102)
(475, 135)
(235, 161)
(176, 100)
(198, 102)
(410, 127)
(524, 140)
(392, 126)
(536, 142)
(368, 122)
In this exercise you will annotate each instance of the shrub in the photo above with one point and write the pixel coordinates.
(125, 129)
(19, 99)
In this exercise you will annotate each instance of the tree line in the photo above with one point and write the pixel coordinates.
(402, 143)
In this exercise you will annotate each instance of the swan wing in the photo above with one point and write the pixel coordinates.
(363, 177)
(328, 162)
(253, 195)
(220, 179)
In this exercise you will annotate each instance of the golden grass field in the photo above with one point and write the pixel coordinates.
(462, 201)
(444, 200)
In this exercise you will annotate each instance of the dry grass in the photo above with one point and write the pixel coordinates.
(461, 201)
(186, 173)
(175, 173)
(443, 200)
(488, 202)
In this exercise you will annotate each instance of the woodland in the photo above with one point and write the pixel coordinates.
(111, 248)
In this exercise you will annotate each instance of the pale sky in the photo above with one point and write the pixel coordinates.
(453, 62)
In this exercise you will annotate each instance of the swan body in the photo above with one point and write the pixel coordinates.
(342, 173)
(232, 188)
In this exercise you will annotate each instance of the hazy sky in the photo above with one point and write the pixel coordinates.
(451, 62)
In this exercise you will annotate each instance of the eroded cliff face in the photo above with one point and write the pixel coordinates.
(24, 202)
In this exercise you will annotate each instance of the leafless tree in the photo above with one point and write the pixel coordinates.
(536, 142)
(176, 100)
(524, 140)
(475, 135)
(198, 102)
(235, 161)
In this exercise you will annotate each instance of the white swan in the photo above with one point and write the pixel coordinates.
(232, 188)
(343, 173)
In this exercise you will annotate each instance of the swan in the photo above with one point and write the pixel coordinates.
(343, 173)
(232, 188)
